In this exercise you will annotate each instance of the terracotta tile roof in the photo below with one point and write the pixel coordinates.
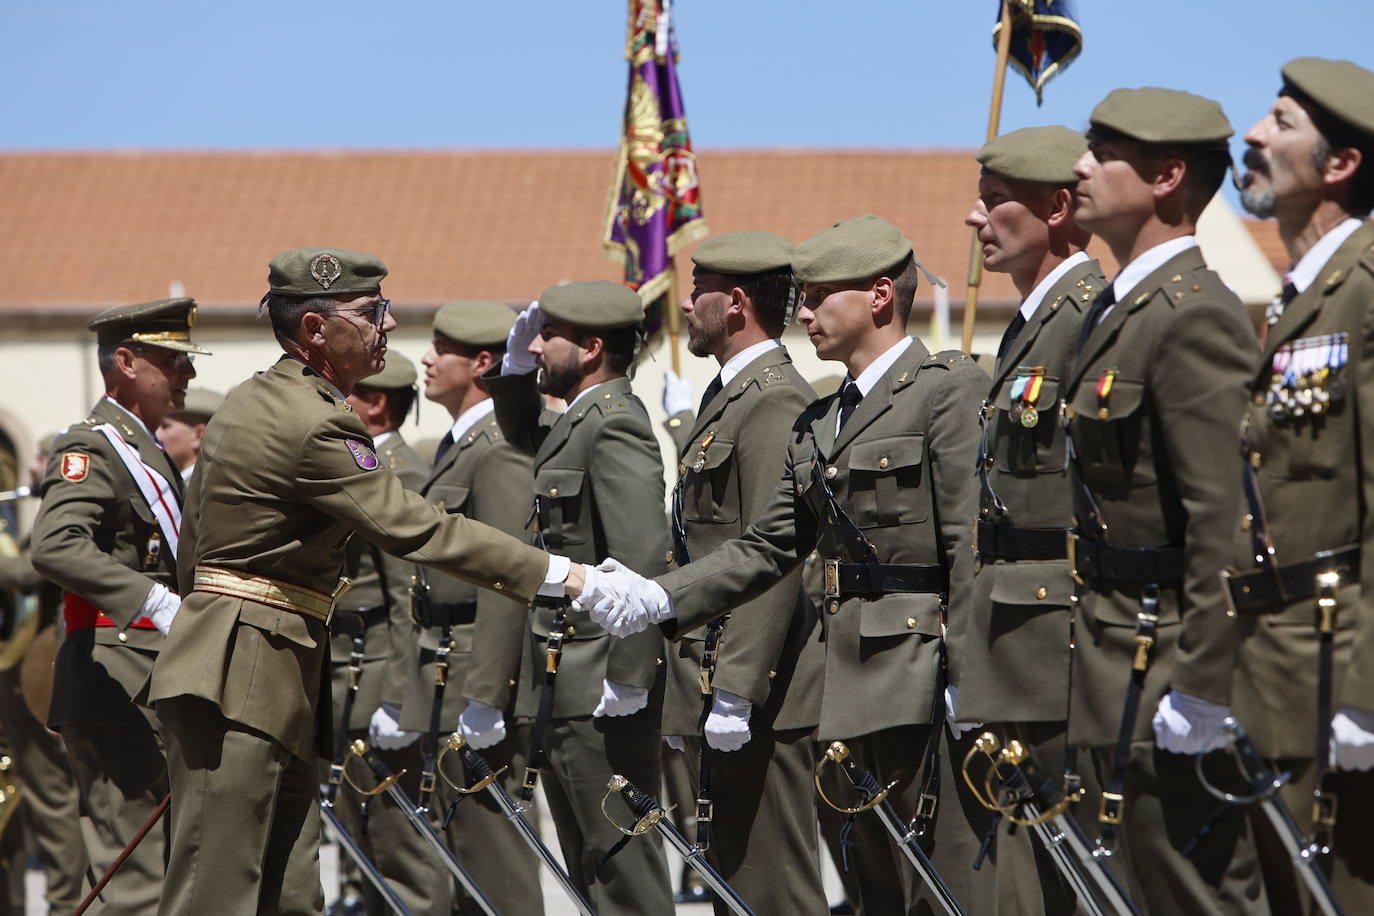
(90, 229)
(1266, 235)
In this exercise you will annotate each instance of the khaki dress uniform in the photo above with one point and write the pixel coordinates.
(598, 475)
(763, 836)
(482, 476)
(1315, 480)
(97, 538)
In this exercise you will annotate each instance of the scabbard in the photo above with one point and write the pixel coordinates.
(355, 852)
(436, 708)
(355, 678)
(553, 652)
(1111, 808)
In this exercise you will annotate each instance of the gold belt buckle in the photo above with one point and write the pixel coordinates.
(1328, 590)
(1071, 554)
(1109, 808)
(832, 578)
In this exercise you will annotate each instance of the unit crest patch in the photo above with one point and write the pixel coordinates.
(363, 455)
(75, 466)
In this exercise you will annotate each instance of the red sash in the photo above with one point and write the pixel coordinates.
(80, 614)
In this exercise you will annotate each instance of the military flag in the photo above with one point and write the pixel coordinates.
(1045, 39)
(655, 200)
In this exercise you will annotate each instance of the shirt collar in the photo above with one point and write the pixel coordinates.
(582, 394)
(735, 364)
(1148, 262)
(471, 417)
(1038, 294)
(876, 369)
(1304, 273)
(378, 439)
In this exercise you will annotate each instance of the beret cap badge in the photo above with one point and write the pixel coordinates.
(325, 268)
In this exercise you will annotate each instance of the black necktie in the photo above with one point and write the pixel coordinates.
(850, 397)
(1009, 337)
(445, 444)
(709, 394)
(1105, 300)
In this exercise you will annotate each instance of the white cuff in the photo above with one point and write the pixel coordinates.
(160, 607)
(557, 574)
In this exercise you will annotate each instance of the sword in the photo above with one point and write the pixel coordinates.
(903, 834)
(487, 779)
(1044, 808)
(11, 496)
(386, 782)
(355, 852)
(649, 816)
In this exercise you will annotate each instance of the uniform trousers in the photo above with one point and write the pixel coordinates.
(121, 776)
(245, 818)
(50, 797)
(763, 832)
(583, 753)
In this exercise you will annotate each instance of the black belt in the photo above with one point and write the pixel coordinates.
(445, 613)
(1113, 802)
(1007, 542)
(355, 623)
(864, 580)
(1094, 559)
(553, 651)
(1270, 589)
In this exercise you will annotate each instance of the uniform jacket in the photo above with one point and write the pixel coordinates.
(484, 477)
(92, 537)
(286, 476)
(1158, 468)
(1316, 478)
(1009, 655)
(770, 653)
(599, 476)
(386, 648)
(902, 471)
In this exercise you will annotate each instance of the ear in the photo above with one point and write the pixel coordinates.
(197, 434)
(312, 328)
(592, 349)
(1060, 204)
(484, 361)
(738, 299)
(883, 291)
(1168, 177)
(1342, 165)
(124, 362)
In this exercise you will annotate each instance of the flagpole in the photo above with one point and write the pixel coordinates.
(975, 254)
(673, 318)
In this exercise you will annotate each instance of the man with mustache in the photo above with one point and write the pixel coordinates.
(1311, 167)
(106, 533)
(598, 492)
(288, 475)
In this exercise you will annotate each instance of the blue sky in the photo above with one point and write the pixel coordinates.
(107, 74)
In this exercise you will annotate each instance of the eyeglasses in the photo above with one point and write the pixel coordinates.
(376, 313)
(174, 359)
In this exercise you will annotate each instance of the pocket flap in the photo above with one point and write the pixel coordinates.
(1045, 400)
(559, 482)
(276, 623)
(1125, 398)
(887, 454)
(449, 497)
(717, 453)
(1031, 582)
(900, 615)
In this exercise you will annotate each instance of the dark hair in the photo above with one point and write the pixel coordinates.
(399, 401)
(618, 344)
(1334, 134)
(105, 358)
(769, 292)
(286, 312)
(905, 278)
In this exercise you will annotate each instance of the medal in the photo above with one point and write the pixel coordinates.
(1025, 392)
(1104, 392)
(1306, 378)
(1029, 417)
(701, 453)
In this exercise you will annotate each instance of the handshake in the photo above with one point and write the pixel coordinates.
(621, 601)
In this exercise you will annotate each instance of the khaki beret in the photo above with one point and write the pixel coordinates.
(1043, 154)
(1342, 88)
(859, 248)
(165, 323)
(597, 305)
(475, 324)
(324, 272)
(201, 404)
(1153, 115)
(398, 372)
(740, 254)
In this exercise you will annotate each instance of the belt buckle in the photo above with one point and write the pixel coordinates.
(1328, 588)
(1109, 808)
(832, 578)
(1071, 554)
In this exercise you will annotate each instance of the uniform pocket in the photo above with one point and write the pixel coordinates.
(885, 481)
(1028, 450)
(1031, 583)
(900, 615)
(285, 624)
(449, 497)
(560, 497)
(708, 488)
(1109, 435)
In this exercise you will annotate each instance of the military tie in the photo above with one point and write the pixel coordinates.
(445, 444)
(850, 397)
(1105, 300)
(709, 394)
(1009, 337)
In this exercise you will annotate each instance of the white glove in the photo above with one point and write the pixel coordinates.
(385, 732)
(956, 728)
(678, 394)
(1186, 724)
(620, 700)
(518, 359)
(727, 727)
(161, 606)
(1352, 739)
(482, 725)
(675, 743)
(624, 602)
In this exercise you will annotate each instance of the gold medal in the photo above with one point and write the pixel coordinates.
(1029, 417)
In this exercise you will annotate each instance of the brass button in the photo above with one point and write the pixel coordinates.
(123, 637)
(572, 631)
(607, 395)
(510, 682)
(833, 606)
(1041, 593)
(830, 473)
(800, 489)
(911, 623)
(658, 661)
(675, 422)
(1256, 460)
(667, 556)
(772, 674)
(498, 585)
(883, 463)
(553, 491)
(1246, 522)
(984, 512)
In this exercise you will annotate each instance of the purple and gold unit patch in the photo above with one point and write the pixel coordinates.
(363, 455)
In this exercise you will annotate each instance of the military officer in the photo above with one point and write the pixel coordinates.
(181, 430)
(107, 534)
(598, 482)
(1009, 655)
(478, 473)
(887, 459)
(1311, 166)
(1153, 401)
(765, 680)
(288, 475)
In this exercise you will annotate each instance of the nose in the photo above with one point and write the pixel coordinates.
(1081, 167)
(430, 358)
(977, 217)
(388, 322)
(1255, 135)
(536, 347)
(805, 315)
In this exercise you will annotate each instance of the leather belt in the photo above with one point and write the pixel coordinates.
(80, 614)
(852, 580)
(1007, 542)
(1094, 559)
(1268, 590)
(356, 623)
(287, 596)
(445, 613)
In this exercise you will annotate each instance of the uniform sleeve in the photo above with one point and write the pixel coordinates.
(402, 634)
(953, 435)
(18, 575)
(501, 492)
(375, 504)
(519, 408)
(679, 427)
(1358, 687)
(1203, 365)
(758, 629)
(64, 547)
(626, 476)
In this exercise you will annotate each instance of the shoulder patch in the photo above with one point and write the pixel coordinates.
(76, 466)
(363, 455)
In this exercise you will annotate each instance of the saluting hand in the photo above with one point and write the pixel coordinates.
(518, 359)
